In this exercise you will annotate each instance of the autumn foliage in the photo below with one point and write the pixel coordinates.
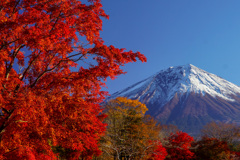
(130, 134)
(179, 145)
(52, 66)
(212, 149)
(159, 152)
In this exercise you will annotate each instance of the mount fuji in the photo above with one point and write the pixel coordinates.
(187, 97)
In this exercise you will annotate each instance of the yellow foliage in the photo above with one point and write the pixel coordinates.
(129, 133)
(124, 105)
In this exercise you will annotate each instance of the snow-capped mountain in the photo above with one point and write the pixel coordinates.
(187, 96)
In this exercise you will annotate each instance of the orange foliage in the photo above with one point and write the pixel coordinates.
(44, 101)
(130, 134)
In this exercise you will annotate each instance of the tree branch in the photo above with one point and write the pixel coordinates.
(8, 68)
(58, 64)
(3, 126)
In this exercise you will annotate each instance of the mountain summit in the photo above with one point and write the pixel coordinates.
(187, 96)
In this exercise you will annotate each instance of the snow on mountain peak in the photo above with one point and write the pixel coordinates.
(186, 96)
(179, 80)
(204, 82)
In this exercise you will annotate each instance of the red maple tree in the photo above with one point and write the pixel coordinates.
(52, 66)
(159, 152)
(179, 146)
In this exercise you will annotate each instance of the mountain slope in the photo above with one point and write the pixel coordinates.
(187, 96)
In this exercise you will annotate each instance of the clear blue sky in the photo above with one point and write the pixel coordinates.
(205, 33)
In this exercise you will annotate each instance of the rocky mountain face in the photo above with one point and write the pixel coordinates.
(188, 97)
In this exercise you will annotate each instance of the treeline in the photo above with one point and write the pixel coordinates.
(131, 135)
